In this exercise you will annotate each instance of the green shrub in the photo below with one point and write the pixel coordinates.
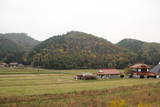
(127, 71)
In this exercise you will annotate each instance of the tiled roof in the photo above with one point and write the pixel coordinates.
(140, 66)
(108, 71)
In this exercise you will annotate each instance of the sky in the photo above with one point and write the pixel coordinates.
(113, 20)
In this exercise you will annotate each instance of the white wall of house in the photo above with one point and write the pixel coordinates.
(108, 76)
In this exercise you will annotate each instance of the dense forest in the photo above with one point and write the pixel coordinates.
(145, 52)
(79, 50)
(76, 50)
(9, 51)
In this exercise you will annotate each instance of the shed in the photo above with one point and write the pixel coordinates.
(156, 69)
(20, 66)
(3, 64)
(108, 73)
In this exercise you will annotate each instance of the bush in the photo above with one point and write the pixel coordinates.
(122, 75)
(89, 77)
(128, 71)
(144, 105)
(117, 103)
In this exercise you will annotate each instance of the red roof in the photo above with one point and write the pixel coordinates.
(140, 66)
(108, 71)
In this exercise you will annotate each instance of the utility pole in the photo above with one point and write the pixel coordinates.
(39, 57)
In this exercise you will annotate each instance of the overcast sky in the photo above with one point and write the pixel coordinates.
(110, 19)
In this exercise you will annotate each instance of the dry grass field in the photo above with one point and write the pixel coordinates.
(31, 87)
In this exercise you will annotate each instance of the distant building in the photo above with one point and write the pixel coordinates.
(3, 64)
(13, 64)
(141, 70)
(20, 66)
(108, 73)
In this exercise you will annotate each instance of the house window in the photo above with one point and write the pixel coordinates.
(139, 70)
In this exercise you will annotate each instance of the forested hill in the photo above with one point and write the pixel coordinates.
(79, 50)
(14, 45)
(75, 50)
(146, 52)
(9, 51)
(22, 39)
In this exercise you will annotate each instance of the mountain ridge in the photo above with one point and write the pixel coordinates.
(79, 48)
(22, 39)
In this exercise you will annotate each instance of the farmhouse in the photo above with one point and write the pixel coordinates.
(108, 73)
(140, 67)
(141, 70)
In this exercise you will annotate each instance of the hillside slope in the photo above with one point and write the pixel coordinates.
(79, 50)
(9, 51)
(146, 52)
(22, 39)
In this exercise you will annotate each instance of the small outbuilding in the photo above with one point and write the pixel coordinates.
(3, 64)
(108, 73)
(156, 70)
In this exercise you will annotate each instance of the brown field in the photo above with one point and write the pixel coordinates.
(147, 95)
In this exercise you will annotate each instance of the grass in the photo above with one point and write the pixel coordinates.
(18, 82)
(23, 83)
(127, 96)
